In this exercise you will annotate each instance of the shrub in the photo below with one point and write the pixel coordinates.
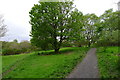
(12, 51)
(12, 48)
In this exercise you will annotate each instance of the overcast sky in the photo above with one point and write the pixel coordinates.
(16, 14)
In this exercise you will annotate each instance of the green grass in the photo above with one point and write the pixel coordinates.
(8, 61)
(48, 66)
(108, 62)
(62, 50)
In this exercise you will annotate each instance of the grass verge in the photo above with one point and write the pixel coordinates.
(108, 62)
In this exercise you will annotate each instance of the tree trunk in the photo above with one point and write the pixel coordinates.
(56, 50)
(89, 44)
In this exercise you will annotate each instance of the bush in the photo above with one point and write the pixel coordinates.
(62, 50)
(12, 48)
(12, 51)
(50, 52)
(67, 44)
(6, 51)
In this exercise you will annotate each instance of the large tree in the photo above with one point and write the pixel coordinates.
(2, 27)
(51, 23)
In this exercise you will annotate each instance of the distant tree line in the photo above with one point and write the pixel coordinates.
(10, 48)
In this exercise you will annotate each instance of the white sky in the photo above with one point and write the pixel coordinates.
(16, 14)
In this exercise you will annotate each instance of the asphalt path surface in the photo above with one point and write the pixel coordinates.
(87, 68)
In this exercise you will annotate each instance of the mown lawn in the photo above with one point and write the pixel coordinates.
(108, 62)
(8, 61)
(48, 66)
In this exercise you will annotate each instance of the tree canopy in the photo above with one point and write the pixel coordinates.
(52, 23)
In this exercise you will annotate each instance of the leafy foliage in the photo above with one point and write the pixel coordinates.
(52, 23)
(90, 28)
(11, 48)
(109, 28)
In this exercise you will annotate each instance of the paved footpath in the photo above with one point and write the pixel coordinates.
(87, 68)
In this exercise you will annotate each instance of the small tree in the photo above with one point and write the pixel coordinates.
(51, 23)
(3, 29)
(89, 28)
(25, 44)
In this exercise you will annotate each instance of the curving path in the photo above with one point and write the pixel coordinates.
(87, 68)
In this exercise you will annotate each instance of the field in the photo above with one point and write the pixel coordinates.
(44, 66)
(8, 61)
(109, 62)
